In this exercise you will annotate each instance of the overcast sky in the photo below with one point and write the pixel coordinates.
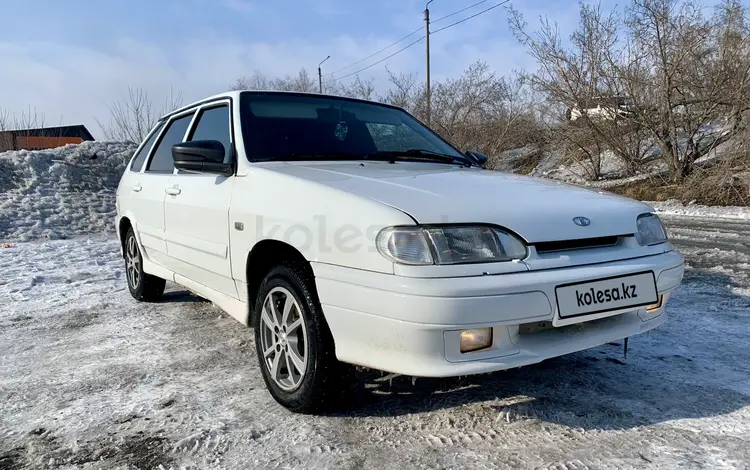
(68, 59)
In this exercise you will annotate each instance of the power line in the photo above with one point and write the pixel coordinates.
(376, 53)
(459, 11)
(402, 39)
(418, 40)
(381, 60)
(470, 17)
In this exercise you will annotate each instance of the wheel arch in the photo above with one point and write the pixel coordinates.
(265, 255)
(122, 230)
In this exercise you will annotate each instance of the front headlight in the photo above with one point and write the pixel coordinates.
(449, 245)
(651, 231)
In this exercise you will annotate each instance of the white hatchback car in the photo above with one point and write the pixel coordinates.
(347, 232)
(603, 108)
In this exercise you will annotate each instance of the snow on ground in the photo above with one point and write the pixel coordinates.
(60, 192)
(612, 169)
(91, 379)
(674, 207)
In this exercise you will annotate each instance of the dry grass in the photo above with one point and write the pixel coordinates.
(727, 184)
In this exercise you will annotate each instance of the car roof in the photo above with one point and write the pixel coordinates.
(236, 94)
(229, 94)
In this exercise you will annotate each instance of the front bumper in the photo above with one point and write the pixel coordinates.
(411, 326)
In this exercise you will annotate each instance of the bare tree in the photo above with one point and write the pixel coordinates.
(478, 110)
(404, 91)
(22, 126)
(4, 119)
(358, 88)
(257, 81)
(132, 118)
(682, 73)
(572, 77)
(26, 120)
(482, 111)
(6, 139)
(300, 82)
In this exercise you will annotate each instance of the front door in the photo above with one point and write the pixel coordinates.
(196, 210)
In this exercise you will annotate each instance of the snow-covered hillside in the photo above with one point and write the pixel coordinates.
(552, 161)
(60, 192)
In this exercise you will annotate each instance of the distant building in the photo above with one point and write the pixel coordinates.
(43, 138)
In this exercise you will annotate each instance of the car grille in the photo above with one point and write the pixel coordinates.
(581, 243)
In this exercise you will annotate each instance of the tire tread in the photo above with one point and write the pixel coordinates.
(329, 377)
(151, 288)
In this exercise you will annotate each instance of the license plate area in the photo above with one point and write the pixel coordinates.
(606, 294)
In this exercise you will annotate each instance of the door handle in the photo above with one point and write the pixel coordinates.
(173, 191)
(137, 188)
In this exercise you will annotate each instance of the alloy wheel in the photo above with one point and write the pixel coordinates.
(132, 262)
(284, 339)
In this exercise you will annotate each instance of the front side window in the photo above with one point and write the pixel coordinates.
(287, 126)
(213, 124)
(143, 152)
(162, 161)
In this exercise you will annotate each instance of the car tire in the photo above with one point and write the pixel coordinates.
(297, 339)
(143, 287)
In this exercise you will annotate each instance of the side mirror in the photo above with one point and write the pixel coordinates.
(202, 156)
(479, 158)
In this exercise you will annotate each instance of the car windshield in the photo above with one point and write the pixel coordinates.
(288, 126)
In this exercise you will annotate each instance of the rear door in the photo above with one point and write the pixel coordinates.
(197, 209)
(131, 185)
(150, 186)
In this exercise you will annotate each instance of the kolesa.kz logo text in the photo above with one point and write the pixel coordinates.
(597, 296)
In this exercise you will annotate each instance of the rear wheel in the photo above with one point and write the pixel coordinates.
(294, 345)
(142, 286)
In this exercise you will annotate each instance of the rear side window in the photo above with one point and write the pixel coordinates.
(162, 161)
(140, 157)
(213, 124)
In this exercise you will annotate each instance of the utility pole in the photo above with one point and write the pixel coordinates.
(320, 75)
(427, 42)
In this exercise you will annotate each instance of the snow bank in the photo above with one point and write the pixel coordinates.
(676, 208)
(58, 193)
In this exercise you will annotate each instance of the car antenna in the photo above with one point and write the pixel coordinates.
(625, 347)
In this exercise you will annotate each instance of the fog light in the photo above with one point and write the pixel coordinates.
(474, 340)
(656, 306)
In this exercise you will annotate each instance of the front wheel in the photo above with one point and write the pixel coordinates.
(142, 286)
(294, 345)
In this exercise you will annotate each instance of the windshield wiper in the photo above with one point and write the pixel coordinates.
(417, 154)
(320, 156)
(385, 155)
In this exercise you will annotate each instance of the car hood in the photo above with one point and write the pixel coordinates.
(536, 209)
